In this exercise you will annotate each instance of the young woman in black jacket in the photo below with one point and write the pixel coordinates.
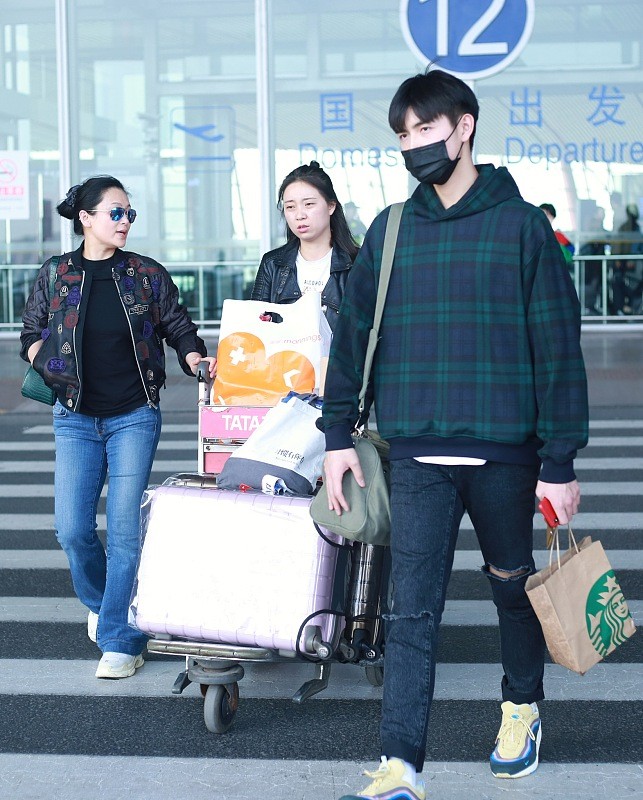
(319, 250)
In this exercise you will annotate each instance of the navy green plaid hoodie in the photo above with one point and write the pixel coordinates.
(479, 352)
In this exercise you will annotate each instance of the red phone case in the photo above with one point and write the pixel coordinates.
(547, 510)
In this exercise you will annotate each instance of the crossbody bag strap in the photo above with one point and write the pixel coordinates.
(388, 252)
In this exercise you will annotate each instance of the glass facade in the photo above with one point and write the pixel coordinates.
(165, 96)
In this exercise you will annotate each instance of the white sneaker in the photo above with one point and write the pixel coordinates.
(92, 625)
(118, 665)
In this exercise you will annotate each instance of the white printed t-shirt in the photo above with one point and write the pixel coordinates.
(312, 276)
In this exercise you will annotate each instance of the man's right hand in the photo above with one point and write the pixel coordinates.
(564, 497)
(336, 463)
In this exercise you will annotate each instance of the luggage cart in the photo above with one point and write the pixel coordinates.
(358, 598)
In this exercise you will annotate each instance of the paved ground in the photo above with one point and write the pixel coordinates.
(66, 736)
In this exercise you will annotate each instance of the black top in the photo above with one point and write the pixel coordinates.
(111, 379)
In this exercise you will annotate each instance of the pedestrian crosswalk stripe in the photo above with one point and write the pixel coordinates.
(453, 681)
(588, 488)
(185, 465)
(170, 427)
(464, 559)
(76, 777)
(41, 467)
(595, 522)
(49, 447)
(191, 444)
(70, 610)
(615, 424)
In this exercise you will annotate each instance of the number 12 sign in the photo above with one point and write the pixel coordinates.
(468, 38)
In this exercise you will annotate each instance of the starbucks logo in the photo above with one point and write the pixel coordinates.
(606, 613)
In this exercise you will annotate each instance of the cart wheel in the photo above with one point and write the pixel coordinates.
(375, 674)
(219, 707)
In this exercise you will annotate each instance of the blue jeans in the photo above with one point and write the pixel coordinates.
(427, 505)
(87, 449)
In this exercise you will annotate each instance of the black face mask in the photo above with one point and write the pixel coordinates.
(431, 163)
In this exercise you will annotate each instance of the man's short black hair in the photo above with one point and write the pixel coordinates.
(433, 94)
(549, 208)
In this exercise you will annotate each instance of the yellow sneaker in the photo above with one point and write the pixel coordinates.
(516, 752)
(388, 783)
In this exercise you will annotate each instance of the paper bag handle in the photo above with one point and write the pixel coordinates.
(555, 543)
(551, 518)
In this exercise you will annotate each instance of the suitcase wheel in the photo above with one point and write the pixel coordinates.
(219, 706)
(375, 674)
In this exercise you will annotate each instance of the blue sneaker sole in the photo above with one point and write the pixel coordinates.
(501, 770)
(387, 796)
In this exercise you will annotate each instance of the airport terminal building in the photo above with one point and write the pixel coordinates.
(201, 107)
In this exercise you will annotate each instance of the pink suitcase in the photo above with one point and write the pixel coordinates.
(233, 567)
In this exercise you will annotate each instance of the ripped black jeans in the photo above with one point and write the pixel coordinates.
(427, 504)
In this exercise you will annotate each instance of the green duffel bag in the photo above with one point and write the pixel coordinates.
(369, 518)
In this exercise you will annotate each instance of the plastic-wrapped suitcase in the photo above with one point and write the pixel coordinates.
(239, 568)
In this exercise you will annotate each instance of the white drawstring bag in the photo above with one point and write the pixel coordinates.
(287, 445)
(267, 350)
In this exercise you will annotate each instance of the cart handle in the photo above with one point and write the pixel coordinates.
(204, 381)
(202, 373)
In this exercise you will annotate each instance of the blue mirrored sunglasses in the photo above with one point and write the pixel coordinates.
(117, 213)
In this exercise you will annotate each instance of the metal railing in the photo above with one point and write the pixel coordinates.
(202, 289)
(610, 288)
(601, 282)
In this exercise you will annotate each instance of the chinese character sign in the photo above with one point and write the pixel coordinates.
(526, 108)
(600, 123)
(608, 101)
(336, 112)
(14, 184)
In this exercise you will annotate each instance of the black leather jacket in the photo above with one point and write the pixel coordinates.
(276, 280)
(151, 306)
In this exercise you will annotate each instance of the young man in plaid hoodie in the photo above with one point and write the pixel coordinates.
(480, 389)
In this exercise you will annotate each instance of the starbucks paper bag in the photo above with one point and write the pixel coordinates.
(580, 605)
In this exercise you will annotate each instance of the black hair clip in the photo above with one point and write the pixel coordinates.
(71, 196)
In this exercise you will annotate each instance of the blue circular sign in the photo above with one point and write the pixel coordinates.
(468, 38)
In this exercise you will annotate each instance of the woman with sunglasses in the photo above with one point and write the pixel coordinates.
(97, 340)
(319, 250)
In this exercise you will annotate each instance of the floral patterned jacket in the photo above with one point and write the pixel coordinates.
(151, 307)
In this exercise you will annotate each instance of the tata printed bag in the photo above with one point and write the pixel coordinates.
(267, 350)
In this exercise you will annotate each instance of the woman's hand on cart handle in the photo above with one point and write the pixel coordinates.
(194, 359)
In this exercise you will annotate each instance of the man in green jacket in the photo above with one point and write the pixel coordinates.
(480, 389)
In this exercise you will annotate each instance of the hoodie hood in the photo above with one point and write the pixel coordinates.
(493, 186)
